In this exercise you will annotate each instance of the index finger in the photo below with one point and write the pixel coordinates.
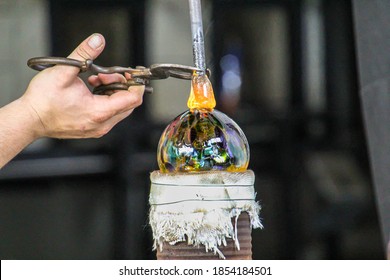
(105, 79)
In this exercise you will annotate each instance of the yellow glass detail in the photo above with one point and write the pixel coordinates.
(202, 94)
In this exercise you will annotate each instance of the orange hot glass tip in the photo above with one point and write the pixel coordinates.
(202, 94)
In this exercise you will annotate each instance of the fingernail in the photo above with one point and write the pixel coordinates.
(95, 41)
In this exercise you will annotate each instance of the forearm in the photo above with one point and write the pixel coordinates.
(18, 129)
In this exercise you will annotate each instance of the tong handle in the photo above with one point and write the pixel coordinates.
(109, 89)
(42, 63)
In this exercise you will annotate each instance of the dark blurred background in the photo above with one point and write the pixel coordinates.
(284, 70)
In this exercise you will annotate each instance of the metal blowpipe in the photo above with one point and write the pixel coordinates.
(197, 35)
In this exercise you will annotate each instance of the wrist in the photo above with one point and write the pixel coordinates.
(18, 128)
(29, 119)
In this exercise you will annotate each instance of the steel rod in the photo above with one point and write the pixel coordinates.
(197, 35)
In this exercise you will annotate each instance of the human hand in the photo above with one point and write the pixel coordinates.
(66, 108)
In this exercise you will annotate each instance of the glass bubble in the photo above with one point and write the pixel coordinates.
(202, 140)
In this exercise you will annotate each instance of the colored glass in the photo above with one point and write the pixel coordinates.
(201, 138)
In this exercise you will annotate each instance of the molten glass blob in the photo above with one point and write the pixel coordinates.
(201, 138)
(202, 94)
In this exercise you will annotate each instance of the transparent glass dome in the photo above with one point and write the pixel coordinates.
(202, 140)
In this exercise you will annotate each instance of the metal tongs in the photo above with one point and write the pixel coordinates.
(139, 76)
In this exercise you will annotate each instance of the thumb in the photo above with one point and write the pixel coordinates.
(90, 48)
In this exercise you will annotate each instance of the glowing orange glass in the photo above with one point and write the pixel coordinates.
(202, 94)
